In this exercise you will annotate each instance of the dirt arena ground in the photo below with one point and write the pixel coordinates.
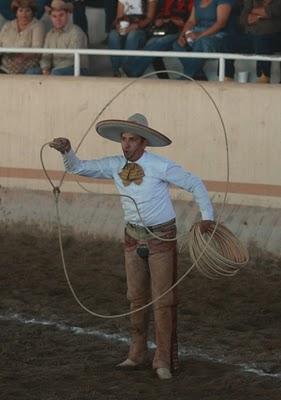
(229, 330)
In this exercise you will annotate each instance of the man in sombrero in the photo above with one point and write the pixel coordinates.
(151, 264)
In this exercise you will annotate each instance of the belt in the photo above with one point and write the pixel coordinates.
(152, 228)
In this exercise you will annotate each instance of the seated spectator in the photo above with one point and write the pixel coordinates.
(204, 31)
(168, 23)
(261, 20)
(63, 35)
(137, 14)
(6, 14)
(24, 31)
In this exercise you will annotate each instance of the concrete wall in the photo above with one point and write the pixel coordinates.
(36, 109)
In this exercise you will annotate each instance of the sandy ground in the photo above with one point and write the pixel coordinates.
(229, 330)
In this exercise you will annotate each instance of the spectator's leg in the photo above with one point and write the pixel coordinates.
(210, 44)
(238, 43)
(33, 71)
(263, 44)
(135, 40)
(63, 71)
(79, 15)
(136, 66)
(230, 46)
(115, 42)
(177, 47)
(158, 65)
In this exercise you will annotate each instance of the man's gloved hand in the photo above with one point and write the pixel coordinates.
(206, 225)
(62, 145)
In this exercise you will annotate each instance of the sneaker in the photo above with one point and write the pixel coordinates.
(163, 373)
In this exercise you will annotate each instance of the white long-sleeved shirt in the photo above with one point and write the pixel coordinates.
(152, 195)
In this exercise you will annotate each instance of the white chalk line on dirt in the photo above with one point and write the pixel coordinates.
(183, 352)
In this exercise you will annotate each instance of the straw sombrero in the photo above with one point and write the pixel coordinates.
(136, 124)
(59, 5)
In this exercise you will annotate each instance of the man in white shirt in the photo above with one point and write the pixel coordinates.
(151, 264)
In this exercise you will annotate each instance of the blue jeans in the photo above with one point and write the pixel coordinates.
(56, 71)
(133, 41)
(207, 44)
(250, 44)
(136, 66)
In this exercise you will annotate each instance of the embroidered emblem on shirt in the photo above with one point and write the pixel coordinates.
(131, 172)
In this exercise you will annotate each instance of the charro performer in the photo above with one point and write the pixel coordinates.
(151, 264)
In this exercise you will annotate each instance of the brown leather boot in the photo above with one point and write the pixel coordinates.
(263, 79)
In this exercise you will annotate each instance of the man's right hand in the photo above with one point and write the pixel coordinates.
(62, 145)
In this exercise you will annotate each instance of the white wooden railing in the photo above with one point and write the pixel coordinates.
(221, 57)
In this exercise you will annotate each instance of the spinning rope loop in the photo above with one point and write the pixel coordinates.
(215, 253)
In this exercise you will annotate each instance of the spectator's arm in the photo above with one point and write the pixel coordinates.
(273, 9)
(38, 35)
(78, 41)
(247, 8)
(191, 22)
(151, 11)
(3, 33)
(46, 59)
(223, 13)
(119, 15)
(188, 26)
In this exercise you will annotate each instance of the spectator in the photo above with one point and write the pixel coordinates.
(63, 35)
(204, 31)
(168, 23)
(138, 15)
(24, 31)
(262, 22)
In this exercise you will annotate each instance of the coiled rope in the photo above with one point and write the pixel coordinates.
(199, 248)
(224, 256)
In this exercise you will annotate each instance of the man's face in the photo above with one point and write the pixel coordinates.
(133, 146)
(59, 18)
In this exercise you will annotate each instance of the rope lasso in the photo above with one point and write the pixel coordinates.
(203, 248)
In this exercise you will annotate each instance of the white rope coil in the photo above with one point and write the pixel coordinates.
(218, 252)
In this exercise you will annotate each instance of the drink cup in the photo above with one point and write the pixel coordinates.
(123, 27)
(243, 76)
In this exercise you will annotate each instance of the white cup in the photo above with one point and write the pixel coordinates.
(123, 27)
(243, 76)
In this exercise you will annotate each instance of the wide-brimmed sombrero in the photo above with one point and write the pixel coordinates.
(59, 5)
(136, 124)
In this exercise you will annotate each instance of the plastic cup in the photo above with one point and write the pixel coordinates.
(243, 76)
(123, 27)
